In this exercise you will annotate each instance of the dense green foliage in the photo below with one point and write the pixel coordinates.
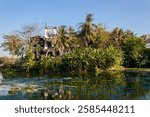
(89, 48)
(28, 61)
(48, 64)
(12, 43)
(133, 51)
(91, 58)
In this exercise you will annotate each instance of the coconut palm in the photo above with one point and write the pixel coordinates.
(62, 43)
(12, 44)
(102, 37)
(73, 40)
(129, 34)
(117, 36)
(87, 31)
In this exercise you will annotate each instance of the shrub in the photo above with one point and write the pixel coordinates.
(44, 64)
(90, 58)
(28, 61)
(133, 48)
(110, 57)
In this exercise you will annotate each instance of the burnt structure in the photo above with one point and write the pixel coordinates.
(45, 45)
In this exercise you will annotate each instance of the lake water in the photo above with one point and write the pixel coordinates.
(114, 85)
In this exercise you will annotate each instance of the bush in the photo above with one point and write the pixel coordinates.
(133, 48)
(29, 62)
(90, 58)
(44, 64)
(56, 64)
(111, 57)
(48, 64)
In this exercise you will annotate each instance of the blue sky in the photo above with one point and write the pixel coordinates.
(126, 14)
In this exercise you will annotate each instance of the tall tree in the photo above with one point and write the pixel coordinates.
(29, 34)
(87, 31)
(62, 43)
(73, 39)
(117, 36)
(12, 44)
(102, 37)
(129, 34)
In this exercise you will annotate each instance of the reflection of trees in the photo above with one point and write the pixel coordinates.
(102, 86)
(136, 84)
(105, 85)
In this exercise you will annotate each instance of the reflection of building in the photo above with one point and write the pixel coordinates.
(147, 40)
(45, 45)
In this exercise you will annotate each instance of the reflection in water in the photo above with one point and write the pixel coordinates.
(1, 77)
(106, 85)
(4, 89)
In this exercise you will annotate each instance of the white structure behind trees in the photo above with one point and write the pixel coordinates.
(147, 40)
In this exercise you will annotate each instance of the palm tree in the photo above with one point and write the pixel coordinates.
(129, 34)
(87, 31)
(102, 37)
(12, 44)
(73, 40)
(62, 43)
(117, 36)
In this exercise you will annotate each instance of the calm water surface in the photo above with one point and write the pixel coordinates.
(112, 85)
